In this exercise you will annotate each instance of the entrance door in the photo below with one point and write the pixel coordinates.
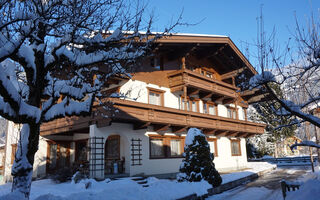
(58, 155)
(112, 153)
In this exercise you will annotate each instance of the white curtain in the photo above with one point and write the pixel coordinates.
(157, 147)
(175, 147)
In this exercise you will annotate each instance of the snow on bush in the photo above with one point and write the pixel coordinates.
(198, 162)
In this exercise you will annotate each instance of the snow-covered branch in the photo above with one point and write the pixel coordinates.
(305, 143)
(69, 107)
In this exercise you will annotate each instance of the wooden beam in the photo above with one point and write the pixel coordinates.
(160, 127)
(203, 95)
(192, 49)
(209, 131)
(193, 91)
(103, 122)
(178, 129)
(233, 73)
(249, 135)
(137, 126)
(232, 134)
(221, 133)
(228, 100)
(242, 134)
(219, 98)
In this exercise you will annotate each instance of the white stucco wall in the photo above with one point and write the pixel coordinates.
(12, 137)
(224, 162)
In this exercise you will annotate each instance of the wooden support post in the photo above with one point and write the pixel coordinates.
(183, 63)
(185, 92)
(310, 148)
(317, 141)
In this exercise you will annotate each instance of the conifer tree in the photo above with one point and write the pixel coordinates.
(198, 163)
(278, 125)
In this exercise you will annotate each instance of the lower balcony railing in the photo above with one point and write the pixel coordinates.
(142, 115)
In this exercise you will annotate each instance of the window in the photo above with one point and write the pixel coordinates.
(175, 147)
(235, 148)
(207, 73)
(209, 108)
(156, 148)
(166, 146)
(231, 112)
(244, 114)
(52, 156)
(213, 146)
(155, 97)
(58, 155)
(194, 106)
(189, 105)
(13, 152)
(212, 110)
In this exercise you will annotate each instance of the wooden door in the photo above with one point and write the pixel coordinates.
(58, 155)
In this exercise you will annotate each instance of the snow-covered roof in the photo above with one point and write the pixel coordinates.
(199, 35)
(176, 34)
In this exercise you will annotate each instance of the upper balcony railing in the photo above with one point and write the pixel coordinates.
(186, 77)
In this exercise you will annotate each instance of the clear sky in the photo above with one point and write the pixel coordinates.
(235, 18)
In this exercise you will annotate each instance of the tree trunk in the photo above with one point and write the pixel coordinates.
(24, 159)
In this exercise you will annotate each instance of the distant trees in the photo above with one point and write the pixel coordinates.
(295, 68)
(198, 163)
(276, 129)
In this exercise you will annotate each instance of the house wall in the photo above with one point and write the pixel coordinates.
(224, 162)
(12, 137)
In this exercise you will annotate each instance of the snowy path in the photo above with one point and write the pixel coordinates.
(264, 188)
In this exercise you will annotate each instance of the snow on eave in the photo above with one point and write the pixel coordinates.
(198, 35)
(171, 34)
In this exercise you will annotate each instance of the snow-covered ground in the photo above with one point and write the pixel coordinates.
(310, 190)
(126, 188)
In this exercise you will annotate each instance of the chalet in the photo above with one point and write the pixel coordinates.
(188, 81)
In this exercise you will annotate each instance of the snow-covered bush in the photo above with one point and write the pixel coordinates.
(198, 163)
(63, 175)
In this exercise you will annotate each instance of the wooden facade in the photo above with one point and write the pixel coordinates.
(203, 68)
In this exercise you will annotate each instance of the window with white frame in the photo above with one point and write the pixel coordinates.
(155, 97)
(213, 146)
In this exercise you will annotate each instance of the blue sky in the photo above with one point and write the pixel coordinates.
(235, 18)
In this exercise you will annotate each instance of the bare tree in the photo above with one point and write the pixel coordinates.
(296, 69)
(55, 56)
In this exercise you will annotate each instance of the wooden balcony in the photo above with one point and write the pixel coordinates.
(161, 118)
(67, 125)
(184, 77)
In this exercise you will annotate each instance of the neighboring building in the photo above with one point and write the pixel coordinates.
(286, 151)
(189, 82)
